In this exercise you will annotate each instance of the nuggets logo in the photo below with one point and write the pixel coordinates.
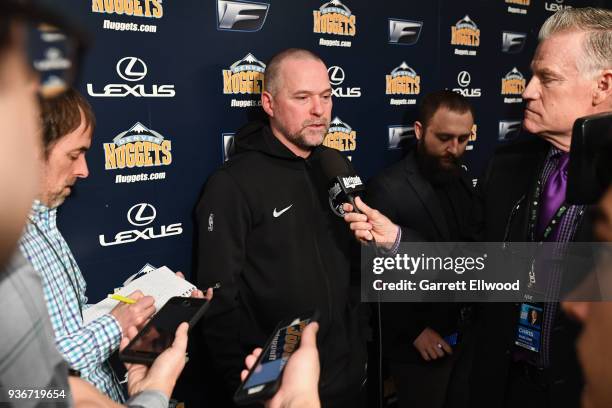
(474, 134)
(472, 138)
(403, 80)
(244, 77)
(137, 8)
(519, 2)
(340, 136)
(465, 33)
(513, 83)
(334, 17)
(137, 147)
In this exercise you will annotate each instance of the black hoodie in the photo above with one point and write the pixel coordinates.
(267, 234)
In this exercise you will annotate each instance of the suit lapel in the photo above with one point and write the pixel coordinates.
(427, 196)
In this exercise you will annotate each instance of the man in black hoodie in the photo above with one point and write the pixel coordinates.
(267, 235)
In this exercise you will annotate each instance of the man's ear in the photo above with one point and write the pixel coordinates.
(603, 90)
(418, 130)
(267, 102)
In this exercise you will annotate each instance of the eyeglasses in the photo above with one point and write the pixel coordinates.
(54, 47)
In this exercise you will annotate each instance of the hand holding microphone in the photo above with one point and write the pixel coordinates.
(369, 224)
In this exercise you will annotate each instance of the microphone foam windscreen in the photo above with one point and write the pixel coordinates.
(334, 164)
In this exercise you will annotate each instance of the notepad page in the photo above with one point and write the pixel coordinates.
(161, 283)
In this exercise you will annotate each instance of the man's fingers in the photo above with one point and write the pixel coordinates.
(363, 207)
(309, 335)
(355, 217)
(446, 347)
(136, 295)
(145, 302)
(147, 313)
(180, 274)
(198, 294)
(131, 332)
(124, 342)
(363, 235)
(424, 355)
(180, 338)
(243, 375)
(250, 360)
(209, 294)
(347, 207)
(438, 350)
(360, 226)
(435, 352)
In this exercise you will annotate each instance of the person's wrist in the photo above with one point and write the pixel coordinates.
(304, 400)
(151, 384)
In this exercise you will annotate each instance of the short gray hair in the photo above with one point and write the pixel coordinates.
(597, 45)
(271, 74)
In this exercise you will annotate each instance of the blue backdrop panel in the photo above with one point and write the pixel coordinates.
(171, 81)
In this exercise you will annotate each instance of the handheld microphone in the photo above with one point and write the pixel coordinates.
(344, 183)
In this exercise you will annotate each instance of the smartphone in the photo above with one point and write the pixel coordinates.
(453, 339)
(264, 377)
(158, 334)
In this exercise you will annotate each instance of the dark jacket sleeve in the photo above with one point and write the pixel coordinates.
(223, 221)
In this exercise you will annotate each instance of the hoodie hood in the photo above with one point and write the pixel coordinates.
(257, 136)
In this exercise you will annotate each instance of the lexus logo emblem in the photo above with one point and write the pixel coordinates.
(141, 214)
(336, 75)
(131, 68)
(464, 79)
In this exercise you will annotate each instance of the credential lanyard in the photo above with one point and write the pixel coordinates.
(553, 224)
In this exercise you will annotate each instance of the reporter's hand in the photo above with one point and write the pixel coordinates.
(166, 368)
(300, 381)
(134, 315)
(431, 345)
(371, 224)
(198, 293)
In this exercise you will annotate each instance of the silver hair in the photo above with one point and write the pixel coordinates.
(597, 45)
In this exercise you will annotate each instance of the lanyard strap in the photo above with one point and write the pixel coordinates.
(554, 223)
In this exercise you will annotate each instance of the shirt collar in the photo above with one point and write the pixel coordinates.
(43, 215)
(554, 153)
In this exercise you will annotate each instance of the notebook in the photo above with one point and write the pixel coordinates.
(161, 283)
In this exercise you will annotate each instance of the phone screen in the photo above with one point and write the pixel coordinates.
(158, 335)
(284, 342)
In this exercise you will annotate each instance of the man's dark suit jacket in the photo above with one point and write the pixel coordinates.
(510, 179)
(401, 193)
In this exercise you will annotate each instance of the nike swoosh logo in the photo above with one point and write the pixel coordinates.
(277, 214)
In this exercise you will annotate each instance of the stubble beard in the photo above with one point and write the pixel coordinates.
(305, 141)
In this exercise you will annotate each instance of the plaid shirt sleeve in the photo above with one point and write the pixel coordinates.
(92, 344)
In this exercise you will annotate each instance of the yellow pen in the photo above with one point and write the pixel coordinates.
(122, 299)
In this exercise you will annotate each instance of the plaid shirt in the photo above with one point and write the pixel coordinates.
(567, 228)
(85, 347)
